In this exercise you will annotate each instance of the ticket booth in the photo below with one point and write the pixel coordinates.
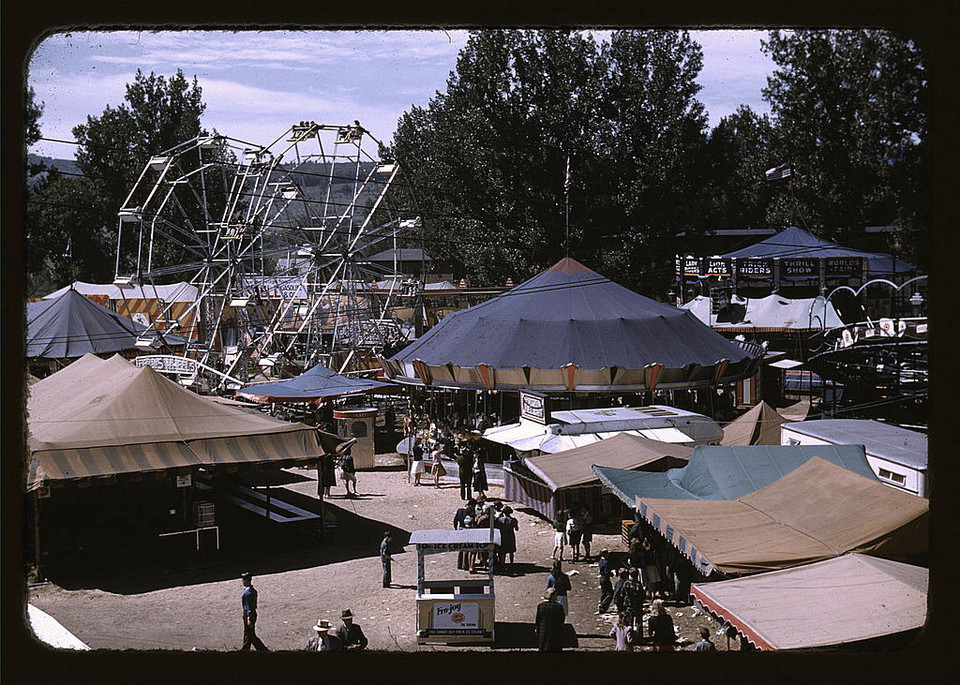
(460, 611)
(358, 424)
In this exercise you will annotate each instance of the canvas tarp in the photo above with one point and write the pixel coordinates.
(770, 314)
(818, 511)
(867, 598)
(313, 384)
(569, 328)
(72, 325)
(573, 467)
(795, 242)
(100, 418)
(758, 426)
(726, 472)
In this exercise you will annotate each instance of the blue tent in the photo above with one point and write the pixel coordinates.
(71, 325)
(315, 384)
(717, 472)
(569, 328)
(795, 242)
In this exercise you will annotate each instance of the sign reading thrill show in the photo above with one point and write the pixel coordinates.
(799, 268)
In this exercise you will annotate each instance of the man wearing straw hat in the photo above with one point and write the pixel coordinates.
(323, 641)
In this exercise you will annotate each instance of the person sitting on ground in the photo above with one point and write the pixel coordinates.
(323, 641)
(704, 644)
(624, 632)
(349, 633)
(661, 628)
(560, 581)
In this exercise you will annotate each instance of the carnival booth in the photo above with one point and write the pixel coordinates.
(455, 611)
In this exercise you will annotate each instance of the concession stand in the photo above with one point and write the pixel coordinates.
(455, 611)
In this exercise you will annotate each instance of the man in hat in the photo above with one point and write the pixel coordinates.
(249, 603)
(385, 557)
(549, 623)
(323, 641)
(349, 633)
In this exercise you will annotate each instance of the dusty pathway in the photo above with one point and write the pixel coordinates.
(306, 579)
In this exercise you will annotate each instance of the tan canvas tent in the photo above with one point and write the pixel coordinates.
(815, 512)
(759, 426)
(102, 418)
(867, 597)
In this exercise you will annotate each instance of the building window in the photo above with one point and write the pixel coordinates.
(895, 477)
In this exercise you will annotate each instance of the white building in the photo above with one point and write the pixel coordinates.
(898, 456)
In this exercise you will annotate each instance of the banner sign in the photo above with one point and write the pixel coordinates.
(851, 267)
(755, 268)
(168, 364)
(799, 268)
(717, 266)
(688, 266)
(459, 616)
(533, 406)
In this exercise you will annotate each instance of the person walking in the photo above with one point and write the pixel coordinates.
(436, 465)
(416, 460)
(704, 644)
(574, 533)
(549, 623)
(465, 459)
(605, 572)
(248, 600)
(480, 484)
(350, 634)
(633, 597)
(348, 473)
(323, 641)
(586, 528)
(661, 628)
(508, 527)
(559, 534)
(327, 474)
(385, 558)
(560, 581)
(624, 632)
(619, 599)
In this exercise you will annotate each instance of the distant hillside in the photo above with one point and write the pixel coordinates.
(67, 166)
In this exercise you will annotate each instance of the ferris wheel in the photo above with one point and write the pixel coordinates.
(276, 239)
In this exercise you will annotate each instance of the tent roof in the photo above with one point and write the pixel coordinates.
(102, 418)
(726, 472)
(313, 384)
(758, 426)
(772, 313)
(867, 598)
(817, 511)
(571, 315)
(72, 325)
(880, 439)
(175, 292)
(796, 242)
(573, 467)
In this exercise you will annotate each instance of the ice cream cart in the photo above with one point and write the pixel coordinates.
(455, 611)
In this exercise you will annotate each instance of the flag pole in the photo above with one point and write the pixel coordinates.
(566, 194)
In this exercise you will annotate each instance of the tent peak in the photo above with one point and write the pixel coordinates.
(568, 265)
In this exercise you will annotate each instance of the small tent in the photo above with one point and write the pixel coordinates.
(313, 385)
(758, 426)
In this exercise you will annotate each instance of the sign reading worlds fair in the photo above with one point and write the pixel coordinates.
(533, 406)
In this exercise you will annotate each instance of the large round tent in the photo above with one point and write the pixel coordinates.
(569, 328)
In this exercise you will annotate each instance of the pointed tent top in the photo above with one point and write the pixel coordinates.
(569, 266)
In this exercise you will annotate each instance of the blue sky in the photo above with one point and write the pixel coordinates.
(257, 83)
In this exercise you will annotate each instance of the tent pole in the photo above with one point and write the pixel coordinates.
(36, 533)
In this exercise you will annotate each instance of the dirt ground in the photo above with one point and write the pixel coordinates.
(194, 604)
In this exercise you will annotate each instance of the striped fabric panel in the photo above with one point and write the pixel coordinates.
(529, 493)
(100, 462)
(673, 536)
(290, 447)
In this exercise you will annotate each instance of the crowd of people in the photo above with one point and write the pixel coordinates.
(479, 512)
(431, 444)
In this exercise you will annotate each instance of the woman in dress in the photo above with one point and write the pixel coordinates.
(560, 581)
(508, 527)
(480, 485)
(574, 533)
(661, 628)
(416, 461)
(437, 465)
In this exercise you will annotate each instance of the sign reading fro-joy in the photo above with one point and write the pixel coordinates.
(456, 615)
(533, 406)
(754, 268)
(799, 268)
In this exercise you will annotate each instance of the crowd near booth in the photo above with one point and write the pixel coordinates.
(68, 326)
(897, 455)
(552, 483)
(160, 446)
(853, 600)
(570, 329)
(460, 610)
(817, 511)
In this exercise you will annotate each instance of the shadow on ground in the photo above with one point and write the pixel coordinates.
(524, 636)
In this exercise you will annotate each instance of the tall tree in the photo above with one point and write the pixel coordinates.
(849, 109)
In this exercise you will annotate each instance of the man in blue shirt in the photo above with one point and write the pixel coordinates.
(249, 603)
(385, 558)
